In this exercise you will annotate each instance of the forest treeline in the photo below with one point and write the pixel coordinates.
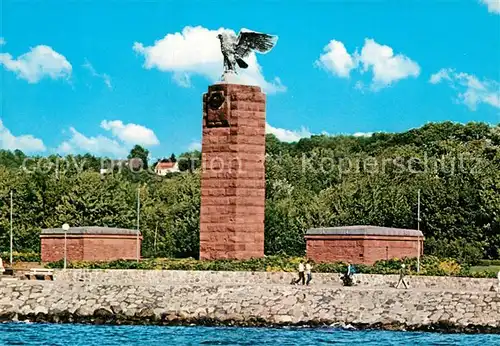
(318, 181)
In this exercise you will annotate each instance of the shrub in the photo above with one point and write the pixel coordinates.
(429, 265)
(20, 256)
(489, 263)
(465, 251)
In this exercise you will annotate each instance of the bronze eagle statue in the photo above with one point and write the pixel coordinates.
(235, 49)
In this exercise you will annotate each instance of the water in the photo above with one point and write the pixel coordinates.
(74, 334)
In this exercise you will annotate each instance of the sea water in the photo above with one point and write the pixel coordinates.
(75, 334)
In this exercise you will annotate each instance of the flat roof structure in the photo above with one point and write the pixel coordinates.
(94, 230)
(365, 230)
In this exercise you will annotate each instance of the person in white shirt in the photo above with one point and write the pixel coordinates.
(498, 289)
(301, 274)
(402, 273)
(2, 269)
(308, 272)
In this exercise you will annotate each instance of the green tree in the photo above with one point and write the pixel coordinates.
(318, 181)
(141, 153)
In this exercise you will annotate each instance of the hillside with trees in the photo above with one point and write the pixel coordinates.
(318, 181)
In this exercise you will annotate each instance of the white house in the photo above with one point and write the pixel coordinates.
(162, 168)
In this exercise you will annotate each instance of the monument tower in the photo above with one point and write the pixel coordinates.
(233, 154)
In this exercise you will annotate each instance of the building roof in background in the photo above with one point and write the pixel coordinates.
(91, 230)
(365, 230)
(165, 165)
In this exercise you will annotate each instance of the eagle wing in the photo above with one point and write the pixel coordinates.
(250, 40)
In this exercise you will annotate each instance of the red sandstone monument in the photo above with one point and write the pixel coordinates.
(362, 244)
(233, 153)
(233, 177)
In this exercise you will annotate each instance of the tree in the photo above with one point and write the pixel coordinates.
(141, 153)
(308, 184)
(189, 161)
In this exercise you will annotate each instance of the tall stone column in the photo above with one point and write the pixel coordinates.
(233, 172)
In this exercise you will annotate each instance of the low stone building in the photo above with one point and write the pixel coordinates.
(90, 244)
(362, 244)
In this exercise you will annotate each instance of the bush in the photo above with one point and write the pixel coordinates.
(464, 251)
(20, 256)
(429, 265)
(489, 263)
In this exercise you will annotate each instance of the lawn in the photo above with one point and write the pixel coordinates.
(494, 269)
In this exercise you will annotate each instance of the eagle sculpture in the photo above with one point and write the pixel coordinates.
(235, 49)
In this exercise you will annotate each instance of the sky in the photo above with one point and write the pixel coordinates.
(101, 76)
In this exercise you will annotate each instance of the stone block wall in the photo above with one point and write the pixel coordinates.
(89, 247)
(233, 172)
(52, 249)
(361, 249)
(181, 277)
(249, 304)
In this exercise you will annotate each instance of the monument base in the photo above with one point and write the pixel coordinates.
(233, 172)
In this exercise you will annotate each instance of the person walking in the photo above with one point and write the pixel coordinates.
(308, 272)
(402, 273)
(498, 276)
(347, 278)
(301, 274)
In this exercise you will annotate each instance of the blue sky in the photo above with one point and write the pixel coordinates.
(101, 76)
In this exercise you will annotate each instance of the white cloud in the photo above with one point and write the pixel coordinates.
(99, 145)
(196, 51)
(493, 5)
(106, 79)
(131, 133)
(123, 137)
(2, 41)
(443, 74)
(362, 134)
(41, 61)
(25, 143)
(386, 67)
(359, 85)
(195, 145)
(285, 135)
(336, 59)
(471, 90)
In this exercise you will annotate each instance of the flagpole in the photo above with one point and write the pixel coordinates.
(11, 228)
(138, 222)
(418, 228)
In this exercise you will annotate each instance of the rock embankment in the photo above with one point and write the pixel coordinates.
(251, 304)
(185, 277)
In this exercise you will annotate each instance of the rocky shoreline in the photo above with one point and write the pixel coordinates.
(177, 302)
(148, 317)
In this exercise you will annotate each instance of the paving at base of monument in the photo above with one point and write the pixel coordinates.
(195, 299)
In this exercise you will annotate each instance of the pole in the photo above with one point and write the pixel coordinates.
(418, 211)
(156, 232)
(11, 228)
(65, 228)
(418, 228)
(65, 248)
(138, 222)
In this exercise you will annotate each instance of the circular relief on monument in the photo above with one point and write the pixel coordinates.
(216, 100)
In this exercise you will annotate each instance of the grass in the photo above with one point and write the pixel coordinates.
(492, 269)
